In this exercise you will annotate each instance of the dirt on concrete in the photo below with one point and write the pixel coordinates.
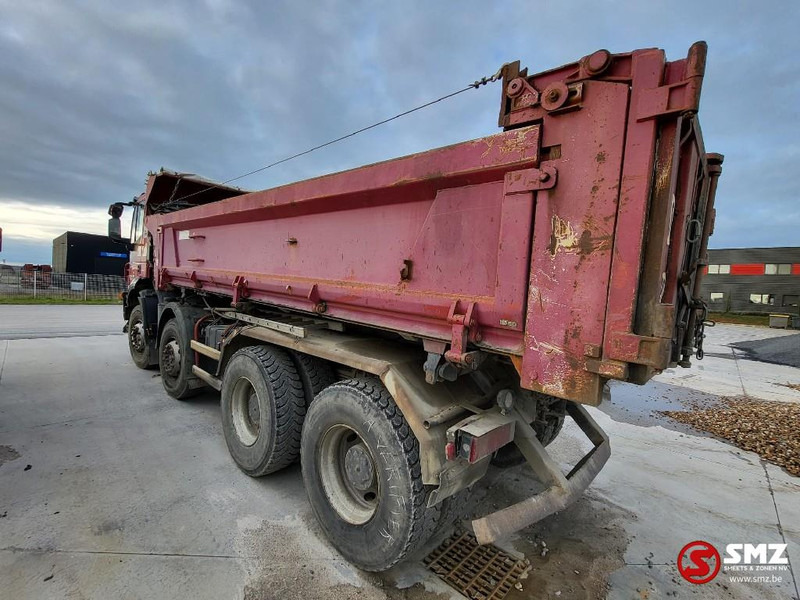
(572, 553)
(291, 559)
(7, 454)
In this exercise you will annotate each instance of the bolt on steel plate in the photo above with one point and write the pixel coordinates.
(478, 572)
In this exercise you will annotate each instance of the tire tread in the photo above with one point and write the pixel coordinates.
(423, 519)
(289, 401)
(316, 374)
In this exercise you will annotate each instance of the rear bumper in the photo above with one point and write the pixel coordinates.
(562, 491)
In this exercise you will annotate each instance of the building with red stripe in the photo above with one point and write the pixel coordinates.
(753, 280)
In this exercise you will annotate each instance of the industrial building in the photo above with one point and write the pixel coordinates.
(753, 280)
(75, 252)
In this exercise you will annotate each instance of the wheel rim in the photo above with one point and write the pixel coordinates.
(348, 473)
(245, 412)
(137, 336)
(171, 359)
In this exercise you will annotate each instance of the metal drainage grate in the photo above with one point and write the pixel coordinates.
(478, 572)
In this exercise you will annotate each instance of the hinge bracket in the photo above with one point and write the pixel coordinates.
(530, 180)
(464, 329)
(240, 290)
(163, 278)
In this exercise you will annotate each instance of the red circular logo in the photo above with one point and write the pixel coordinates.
(699, 562)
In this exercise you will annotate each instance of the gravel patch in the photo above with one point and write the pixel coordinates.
(770, 429)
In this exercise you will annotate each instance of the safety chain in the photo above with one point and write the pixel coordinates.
(700, 326)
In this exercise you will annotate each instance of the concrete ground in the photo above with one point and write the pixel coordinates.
(108, 488)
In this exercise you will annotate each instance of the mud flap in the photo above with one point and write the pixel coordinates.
(562, 491)
(149, 302)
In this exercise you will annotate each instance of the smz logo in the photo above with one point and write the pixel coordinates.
(756, 554)
(699, 562)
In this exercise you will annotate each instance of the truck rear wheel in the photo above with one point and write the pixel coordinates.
(137, 340)
(175, 361)
(549, 421)
(361, 468)
(262, 409)
(315, 374)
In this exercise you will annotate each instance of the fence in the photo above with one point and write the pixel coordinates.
(23, 284)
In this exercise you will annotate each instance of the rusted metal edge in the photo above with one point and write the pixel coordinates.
(497, 153)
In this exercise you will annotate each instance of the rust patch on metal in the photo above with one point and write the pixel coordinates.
(517, 362)
(478, 572)
(514, 144)
(588, 244)
(509, 145)
(563, 237)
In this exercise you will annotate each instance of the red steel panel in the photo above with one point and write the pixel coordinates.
(572, 245)
(635, 189)
(343, 239)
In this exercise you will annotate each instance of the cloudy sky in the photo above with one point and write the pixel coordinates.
(95, 94)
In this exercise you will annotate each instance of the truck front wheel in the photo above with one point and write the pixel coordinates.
(361, 468)
(175, 363)
(137, 340)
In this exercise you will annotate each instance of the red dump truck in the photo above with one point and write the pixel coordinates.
(398, 327)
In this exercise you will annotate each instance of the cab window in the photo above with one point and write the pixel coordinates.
(137, 223)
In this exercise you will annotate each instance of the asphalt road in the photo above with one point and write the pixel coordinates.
(48, 321)
(783, 350)
(108, 488)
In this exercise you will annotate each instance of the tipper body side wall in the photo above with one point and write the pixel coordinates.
(558, 242)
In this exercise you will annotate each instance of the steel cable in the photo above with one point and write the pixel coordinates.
(472, 86)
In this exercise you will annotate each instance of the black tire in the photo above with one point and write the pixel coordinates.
(175, 362)
(508, 456)
(262, 409)
(549, 421)
(138, 344)
(453, 510)
(315, 374)
(372, 532)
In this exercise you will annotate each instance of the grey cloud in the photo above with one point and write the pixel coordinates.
(94, 94)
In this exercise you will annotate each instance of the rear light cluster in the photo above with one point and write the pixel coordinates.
(479, 436)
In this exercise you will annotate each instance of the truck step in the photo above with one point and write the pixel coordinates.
(205, 350)
(207, 377)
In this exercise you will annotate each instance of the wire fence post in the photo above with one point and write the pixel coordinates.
(34, 284)
(85, 286)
